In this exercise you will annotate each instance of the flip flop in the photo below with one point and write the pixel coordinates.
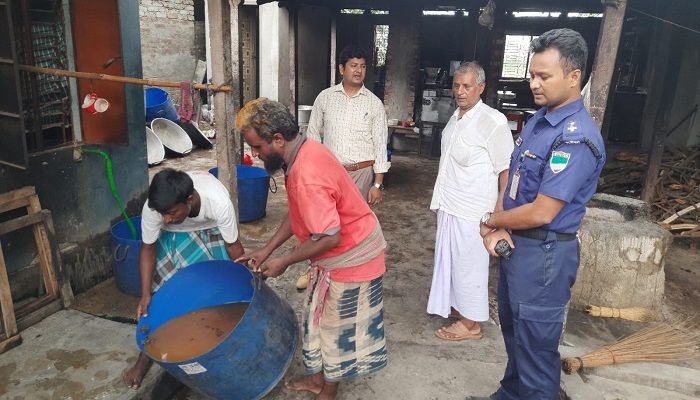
(456, 332)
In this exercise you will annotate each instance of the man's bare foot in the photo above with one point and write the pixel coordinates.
(329, 392)
(312, 383)
(133, 376)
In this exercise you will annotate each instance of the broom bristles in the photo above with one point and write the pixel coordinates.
(639, 314)
(661, 342)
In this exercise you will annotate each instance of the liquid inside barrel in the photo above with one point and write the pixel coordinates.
(195, 333)
(216, 329)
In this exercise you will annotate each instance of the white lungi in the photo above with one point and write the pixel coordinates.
(461, 274)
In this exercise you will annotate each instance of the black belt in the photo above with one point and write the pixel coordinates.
(541, 234)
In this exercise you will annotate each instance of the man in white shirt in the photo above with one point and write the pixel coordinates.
(476, 146)
(188, 218)
(351, 121)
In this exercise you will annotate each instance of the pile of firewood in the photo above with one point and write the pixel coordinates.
(676, 205)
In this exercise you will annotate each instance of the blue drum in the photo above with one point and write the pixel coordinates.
(249, 359)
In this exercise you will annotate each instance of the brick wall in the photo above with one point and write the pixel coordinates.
(182, 10)
(171, 40)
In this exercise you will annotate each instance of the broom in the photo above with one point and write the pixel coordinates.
(633, 314)
(661, 342)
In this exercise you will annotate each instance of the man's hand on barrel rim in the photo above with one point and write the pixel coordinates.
(142, 307)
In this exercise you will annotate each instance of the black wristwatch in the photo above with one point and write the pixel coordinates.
(379, 186)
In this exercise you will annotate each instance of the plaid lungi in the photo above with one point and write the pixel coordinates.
(349, 339)
(177, 250)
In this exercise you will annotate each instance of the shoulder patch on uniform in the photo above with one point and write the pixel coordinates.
(559, 161)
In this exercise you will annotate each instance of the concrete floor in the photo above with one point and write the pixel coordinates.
(420, 365)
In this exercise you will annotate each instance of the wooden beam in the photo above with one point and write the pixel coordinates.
(293, 48)
(41, 238)
(606, 53)
(672, 40)
(61, 275)
(9, 322)
(14, 341)
(18, 194)
(334, 44)
(223, 32)
(23, 222)
(121, 79)
(36, 316)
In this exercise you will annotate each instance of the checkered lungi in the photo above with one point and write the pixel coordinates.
(348, 340)
(177, 250)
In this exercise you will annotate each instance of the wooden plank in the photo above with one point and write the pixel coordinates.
(6, 306)
(23, 222)
(33, 305)
(66, 290)
(17, 194)
(44, 248)
(14, 341)
(14, 204)
(36, 316)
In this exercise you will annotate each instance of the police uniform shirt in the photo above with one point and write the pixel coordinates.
(568, 172)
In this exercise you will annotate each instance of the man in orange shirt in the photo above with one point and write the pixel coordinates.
(343, 327)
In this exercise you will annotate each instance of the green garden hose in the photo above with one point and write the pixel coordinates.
(113, 187)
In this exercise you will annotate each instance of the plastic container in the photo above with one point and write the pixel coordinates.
(253, 184)
(125, 256)
(154, 148)
(304, 113)
(159, 105)
(252, 357)
(176, 141)
(198, 138)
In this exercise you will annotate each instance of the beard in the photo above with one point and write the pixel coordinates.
(273, 163)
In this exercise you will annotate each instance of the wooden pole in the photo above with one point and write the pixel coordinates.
(293, 73)
(333, 44)
(669, 69)
(606, 53)
(223, 26)
(122, 79)
(653, 166)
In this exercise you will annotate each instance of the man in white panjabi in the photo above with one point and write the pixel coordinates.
(475, 154)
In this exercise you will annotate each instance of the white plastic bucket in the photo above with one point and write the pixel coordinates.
(304, 113)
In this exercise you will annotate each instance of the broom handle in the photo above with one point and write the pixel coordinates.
(122, 79)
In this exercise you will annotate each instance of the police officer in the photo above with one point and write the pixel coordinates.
(553, 173)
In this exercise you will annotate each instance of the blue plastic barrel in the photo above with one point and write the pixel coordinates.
(125, 256)
(253, 357)
(253, 183)
(159, 105)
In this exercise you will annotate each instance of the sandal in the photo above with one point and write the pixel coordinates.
(456, 332)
